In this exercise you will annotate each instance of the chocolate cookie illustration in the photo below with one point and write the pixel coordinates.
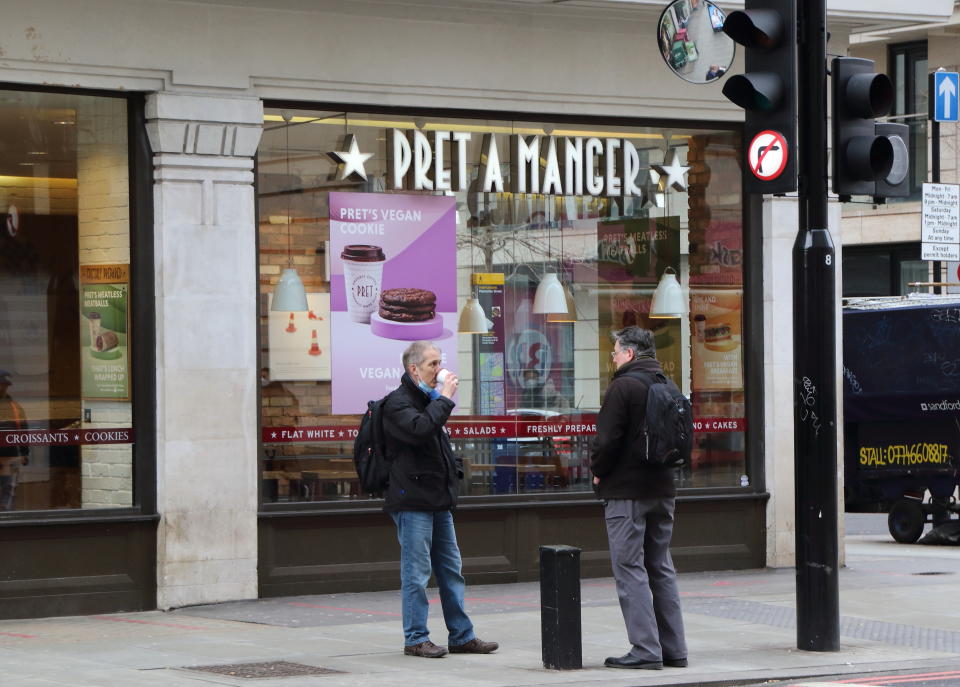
(408, 297)
(407, 305)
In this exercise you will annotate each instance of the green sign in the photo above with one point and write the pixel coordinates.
(104, 354)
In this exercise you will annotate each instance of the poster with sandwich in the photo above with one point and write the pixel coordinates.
(716, 320)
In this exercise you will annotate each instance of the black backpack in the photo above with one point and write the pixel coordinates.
(369, 450)
(668, 425)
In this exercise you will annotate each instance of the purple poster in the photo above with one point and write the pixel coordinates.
(393, 264)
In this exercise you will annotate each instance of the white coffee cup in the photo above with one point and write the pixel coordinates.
(362, 276)
(442, 375)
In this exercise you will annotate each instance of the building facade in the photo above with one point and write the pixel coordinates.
(173, 172)
(884, 252)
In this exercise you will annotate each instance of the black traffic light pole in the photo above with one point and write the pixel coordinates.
(814, 350)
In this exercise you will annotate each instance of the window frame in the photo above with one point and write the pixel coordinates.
(898, 253)
(143, 341)
(908, 96)
(753, 319)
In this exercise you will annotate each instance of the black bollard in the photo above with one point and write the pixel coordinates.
(560, 607)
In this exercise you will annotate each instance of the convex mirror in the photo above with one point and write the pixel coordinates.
(692, 42)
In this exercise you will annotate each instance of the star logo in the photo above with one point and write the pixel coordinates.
(675, 173)
(273, 435)
(351, 159)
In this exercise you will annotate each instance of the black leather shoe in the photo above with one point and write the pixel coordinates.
(474, 646)
(675, 662)
(425, 649)
(629, 661)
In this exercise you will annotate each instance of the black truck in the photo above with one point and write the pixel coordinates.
(901, 406)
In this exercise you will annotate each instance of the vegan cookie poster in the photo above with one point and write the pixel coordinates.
(393, 280)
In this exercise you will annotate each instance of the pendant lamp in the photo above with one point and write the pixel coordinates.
(668, 300)
(289, 294)
(549, 297)
(472, 318)
(571, 312)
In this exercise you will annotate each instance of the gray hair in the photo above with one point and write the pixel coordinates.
(415, 352)
(637, 339)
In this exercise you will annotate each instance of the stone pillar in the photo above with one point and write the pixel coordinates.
(780, 227)
(206, 285)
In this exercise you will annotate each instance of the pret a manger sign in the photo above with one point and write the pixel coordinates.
(551, 165)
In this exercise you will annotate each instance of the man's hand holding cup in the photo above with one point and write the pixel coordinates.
(449, 382)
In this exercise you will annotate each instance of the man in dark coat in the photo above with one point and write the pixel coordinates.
(422, 492)
(638, 508)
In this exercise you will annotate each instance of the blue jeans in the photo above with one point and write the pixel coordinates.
(428, 541)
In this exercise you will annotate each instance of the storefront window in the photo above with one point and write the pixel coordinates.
(404, 227)
(65, 385)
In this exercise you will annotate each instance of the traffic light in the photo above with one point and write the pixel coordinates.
(896, 183)
(767, 29)
(862, 156)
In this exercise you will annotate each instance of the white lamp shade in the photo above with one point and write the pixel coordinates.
(570, 315)
(472, 318)
(549, 297)
(290, 295)
(668, 299)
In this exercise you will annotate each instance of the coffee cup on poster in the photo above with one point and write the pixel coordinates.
(93, 327)
(699, 323)
(362, 277)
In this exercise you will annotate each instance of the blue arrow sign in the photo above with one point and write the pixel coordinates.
(946, 96)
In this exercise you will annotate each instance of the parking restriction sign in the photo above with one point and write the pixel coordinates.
(767, 155)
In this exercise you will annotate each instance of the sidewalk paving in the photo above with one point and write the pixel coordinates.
(898, 602)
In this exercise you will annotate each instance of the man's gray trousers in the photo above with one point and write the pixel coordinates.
(639, 532)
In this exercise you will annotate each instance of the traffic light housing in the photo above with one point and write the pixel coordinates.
(767, 29)
(862, 156)
(896, 183)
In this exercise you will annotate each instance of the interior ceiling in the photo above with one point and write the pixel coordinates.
(37, 141)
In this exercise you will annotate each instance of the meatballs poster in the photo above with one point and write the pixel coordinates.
(104, 358)
(393, 280)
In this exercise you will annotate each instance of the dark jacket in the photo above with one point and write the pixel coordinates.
(424, 473)
(619, 447)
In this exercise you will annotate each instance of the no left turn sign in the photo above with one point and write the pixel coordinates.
(767, 155)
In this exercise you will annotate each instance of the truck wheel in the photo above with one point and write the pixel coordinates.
(906, 520)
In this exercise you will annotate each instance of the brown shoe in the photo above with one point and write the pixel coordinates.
(425, 649)
(474, 646)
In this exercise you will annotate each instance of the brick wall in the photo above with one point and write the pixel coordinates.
(104, 238)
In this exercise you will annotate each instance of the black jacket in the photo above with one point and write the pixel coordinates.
(619, 447)
(424, 473)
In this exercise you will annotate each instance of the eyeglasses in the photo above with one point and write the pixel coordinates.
(613, 354)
